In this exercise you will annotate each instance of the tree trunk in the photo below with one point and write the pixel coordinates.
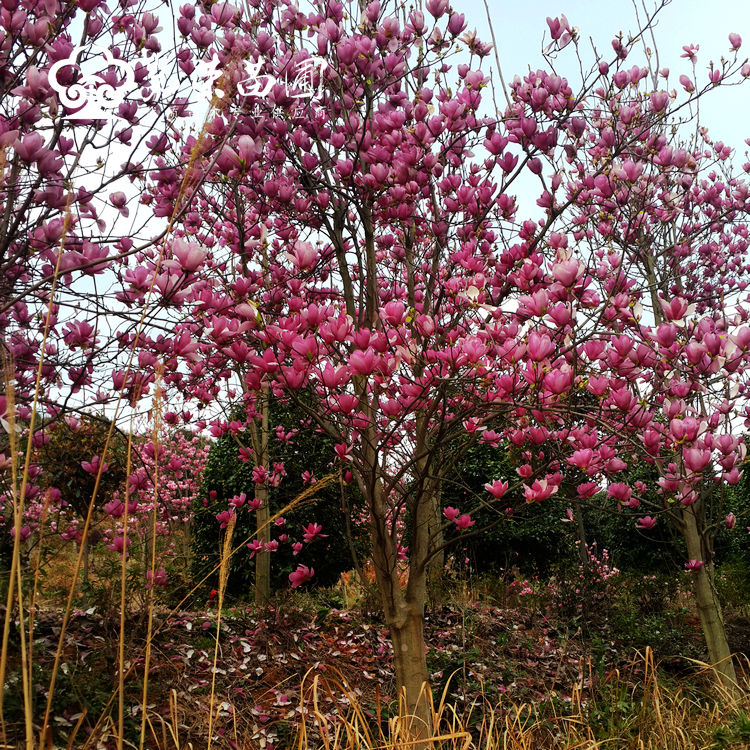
(259, 437)
(583, 553)
(263, 514)
(709, 607)
(436, 563)
(263, 557)
(85, 573)
(187, 545)
(404, 615)
(409, 660)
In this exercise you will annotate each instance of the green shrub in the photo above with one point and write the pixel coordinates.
(226, 475)
(531, 537)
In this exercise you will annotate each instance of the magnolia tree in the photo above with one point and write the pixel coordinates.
(363, 233)
(659, 222)
(163, 488)
(357, 246)
(344, 232)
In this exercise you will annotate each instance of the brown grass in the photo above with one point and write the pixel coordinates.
(646, 714)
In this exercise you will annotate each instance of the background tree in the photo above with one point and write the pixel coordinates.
(68, 470)
(660, 224)
(514, 534)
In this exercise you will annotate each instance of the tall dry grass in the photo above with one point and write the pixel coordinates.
(652, 716)
(646, 713)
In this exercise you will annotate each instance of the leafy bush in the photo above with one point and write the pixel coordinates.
(584, 594)
(733, 584)
(530, 537)
(226, 475)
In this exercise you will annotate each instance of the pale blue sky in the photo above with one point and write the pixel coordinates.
(519, 27)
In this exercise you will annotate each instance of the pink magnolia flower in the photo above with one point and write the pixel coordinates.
(436, 8)
(696, 460)
(730, 521)
(659, 100)
(118, 543)
(114, 508)
(271, 546)
(119, 200)
(160, 579)
(31, 147)
(343, 452)
(582, 458)
(313, 531)
(558, 26)
(225, 517)
(303, 255)
(456, 23)
(363, 362)
(687, 84)
(733, 476)
(539, 491)
(25, 532)
(559, 381)
(472, 425)
(735, 40)
(525, 470)
(647, 522)
(619, 491)
(587, 489)
(497, 489)
(567, 272)
(451, 513)
(540, 346)
(684, 430)
(296, 548)
(491, 438)
(694, 565)
(463, 521)
(223, 13)
(689, 51)
(92, 467)
(238, 500)
(255, 546)
(301, 575)
(189, 255)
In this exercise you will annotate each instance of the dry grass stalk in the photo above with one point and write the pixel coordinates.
(156, 416)
(666, 719)
(123, 590)
(11, 419)
(226, 555)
